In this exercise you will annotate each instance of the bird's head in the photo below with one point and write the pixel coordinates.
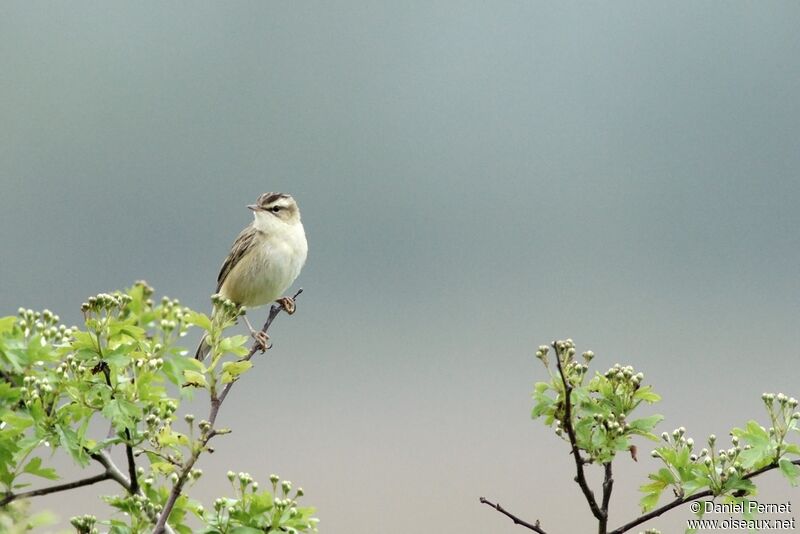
(271, 208)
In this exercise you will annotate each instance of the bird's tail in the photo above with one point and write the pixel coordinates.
(202, 349)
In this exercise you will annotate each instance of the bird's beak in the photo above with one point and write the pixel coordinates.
(253, 207)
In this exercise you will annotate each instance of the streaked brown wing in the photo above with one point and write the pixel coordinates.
(240, 247)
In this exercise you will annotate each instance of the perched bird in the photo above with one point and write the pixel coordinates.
(265, 259)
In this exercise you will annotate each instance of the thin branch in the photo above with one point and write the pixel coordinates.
(683, 500)
(216, 403)
(517, 521)
(608, 486)
(115, 474)
(131, 464)
(580, 476)
(9, 497)
(112, 470)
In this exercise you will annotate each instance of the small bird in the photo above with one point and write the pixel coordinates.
(264, 261)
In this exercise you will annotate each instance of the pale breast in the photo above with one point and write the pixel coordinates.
(266, 272)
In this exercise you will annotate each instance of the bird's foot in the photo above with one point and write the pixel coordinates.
(262, 340)
(287, 303)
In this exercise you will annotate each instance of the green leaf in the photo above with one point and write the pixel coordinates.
(789, 470)
(122, 413)
(646, 394)
(71, 442)
(246, 530)
(34, 467)
(234, 346)
(164, 468)
(761, 449)
(649, 501)
(232, 370)
(645, 425)
(193, 378)
(199, 319)
(7, 323)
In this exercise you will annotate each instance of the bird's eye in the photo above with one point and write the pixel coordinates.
(275, 209)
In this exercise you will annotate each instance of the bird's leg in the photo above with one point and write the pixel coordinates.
(261, 337)
(287, 303)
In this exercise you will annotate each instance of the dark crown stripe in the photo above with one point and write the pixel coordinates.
(269, 198)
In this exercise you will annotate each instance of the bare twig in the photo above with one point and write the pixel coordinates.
(683, 500)
(580, 476)
(113, 471)
(9, 497)
(517, 521)
(608, 486)
(216, 403)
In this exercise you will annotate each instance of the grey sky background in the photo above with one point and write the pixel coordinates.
(475, 178)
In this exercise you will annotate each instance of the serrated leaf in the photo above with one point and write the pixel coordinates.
(789, 470)
(645, 425)
(71, 442)
(34, 467)
(234, 345)
(193, 378)
(649, 501)
(199, 319)
(232, 370)
(164, 468)
(646, 394)
(122, 413)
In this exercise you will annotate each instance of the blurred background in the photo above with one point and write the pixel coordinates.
(475, 179)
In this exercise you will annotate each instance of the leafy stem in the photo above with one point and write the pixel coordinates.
(208, 430)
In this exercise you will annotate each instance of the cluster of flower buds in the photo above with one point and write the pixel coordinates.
(285, 485)
(44, 323)
(229, 309)
(678, 441)
(140, 503)
(36, 389)
(770, 398)
(245, 481)
(565, 349)
(84, 524)
(615, 425)
(72, 364)
(144, 363)
(781, 413)
(105, 302)
(725, 462)
(541, 354)
(575, 371)
(158, 416)
(626, 375)
(174, 316)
